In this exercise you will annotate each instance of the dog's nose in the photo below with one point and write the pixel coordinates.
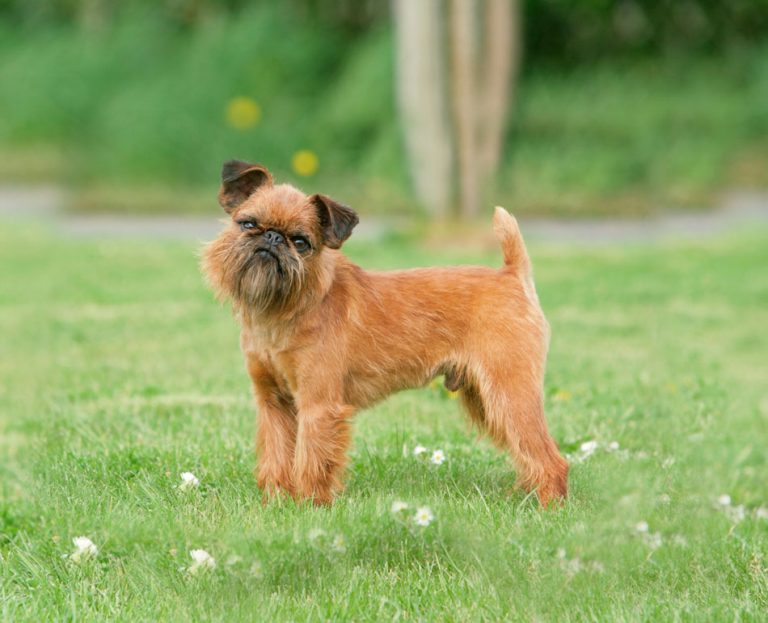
(273, 237)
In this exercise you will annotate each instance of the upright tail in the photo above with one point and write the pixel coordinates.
(512, 245)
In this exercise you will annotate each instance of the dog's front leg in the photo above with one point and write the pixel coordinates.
(275, 432)
(321, 450)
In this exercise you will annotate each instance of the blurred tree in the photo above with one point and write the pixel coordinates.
(454, 85)
(421, 78)
(92, 15)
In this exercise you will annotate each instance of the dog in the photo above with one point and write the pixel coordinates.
(323, 338)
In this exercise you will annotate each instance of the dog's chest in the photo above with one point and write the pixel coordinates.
(272, 348)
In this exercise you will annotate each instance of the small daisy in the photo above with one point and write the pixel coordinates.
(257, 570)
(339, 544)
(613, 446)
(438, 457)
(597, 566)
(762, 512)
(736, 513)
(641, 527)
(316, 534)
(85, 549)
(201, 561)
(588, 447)
(233, 560)
(724, 500)
(679, 540)
(419, 450)
(188, 481)
(398, 506)
(653, 540)
(423, 517)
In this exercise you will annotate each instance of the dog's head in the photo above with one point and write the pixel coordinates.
(270, 256)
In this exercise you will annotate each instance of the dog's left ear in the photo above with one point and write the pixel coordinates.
(336, 220)
(239, 180)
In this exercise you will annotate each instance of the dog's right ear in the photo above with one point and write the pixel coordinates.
(239, 180)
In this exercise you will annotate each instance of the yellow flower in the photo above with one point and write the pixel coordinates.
(562, 396)
(453, 395)
(243, 113)
(305, 162)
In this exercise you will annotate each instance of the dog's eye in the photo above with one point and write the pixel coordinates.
(301, 243)
(247, 225)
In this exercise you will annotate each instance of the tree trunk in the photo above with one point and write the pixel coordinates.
(500, 67)
(465, 102)
(421, 94)
(469, 63)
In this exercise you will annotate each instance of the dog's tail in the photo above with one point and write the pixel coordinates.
(512, 245)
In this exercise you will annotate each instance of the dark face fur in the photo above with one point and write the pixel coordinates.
(271, 252)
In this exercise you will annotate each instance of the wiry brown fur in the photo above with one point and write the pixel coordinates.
(323, 338)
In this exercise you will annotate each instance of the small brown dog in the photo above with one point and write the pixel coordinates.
(323, 338)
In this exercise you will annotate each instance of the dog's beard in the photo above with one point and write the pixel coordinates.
(260, 281)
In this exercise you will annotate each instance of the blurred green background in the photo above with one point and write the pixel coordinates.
(621, 107)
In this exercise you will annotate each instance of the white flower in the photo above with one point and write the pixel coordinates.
(664, 498)
(423, 516)
(680, 540)
(316, 534)
(419, 450)
(641, 527)
(398, 506)
(188, 481)
(339, 544)
(762, 512)
(613, 446)
(571, 566)
(586, 450)
(233, 560)
(724, 500)
(736, 513)
(85, 549)
(256, 570)
(202, 561)
(653, 540)
(438, 457)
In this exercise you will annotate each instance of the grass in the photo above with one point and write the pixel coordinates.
(119, 372)
(105, 116)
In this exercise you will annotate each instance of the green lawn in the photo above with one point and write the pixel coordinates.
(118, 372)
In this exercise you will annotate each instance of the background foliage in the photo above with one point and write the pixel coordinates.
(622, 107)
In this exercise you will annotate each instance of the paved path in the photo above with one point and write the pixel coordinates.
(737, 210)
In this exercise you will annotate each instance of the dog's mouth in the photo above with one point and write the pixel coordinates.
(267, 254)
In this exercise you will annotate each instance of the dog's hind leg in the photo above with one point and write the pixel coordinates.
(513, 415)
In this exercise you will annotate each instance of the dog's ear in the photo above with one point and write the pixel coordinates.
(336, 221)
(239, 180)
